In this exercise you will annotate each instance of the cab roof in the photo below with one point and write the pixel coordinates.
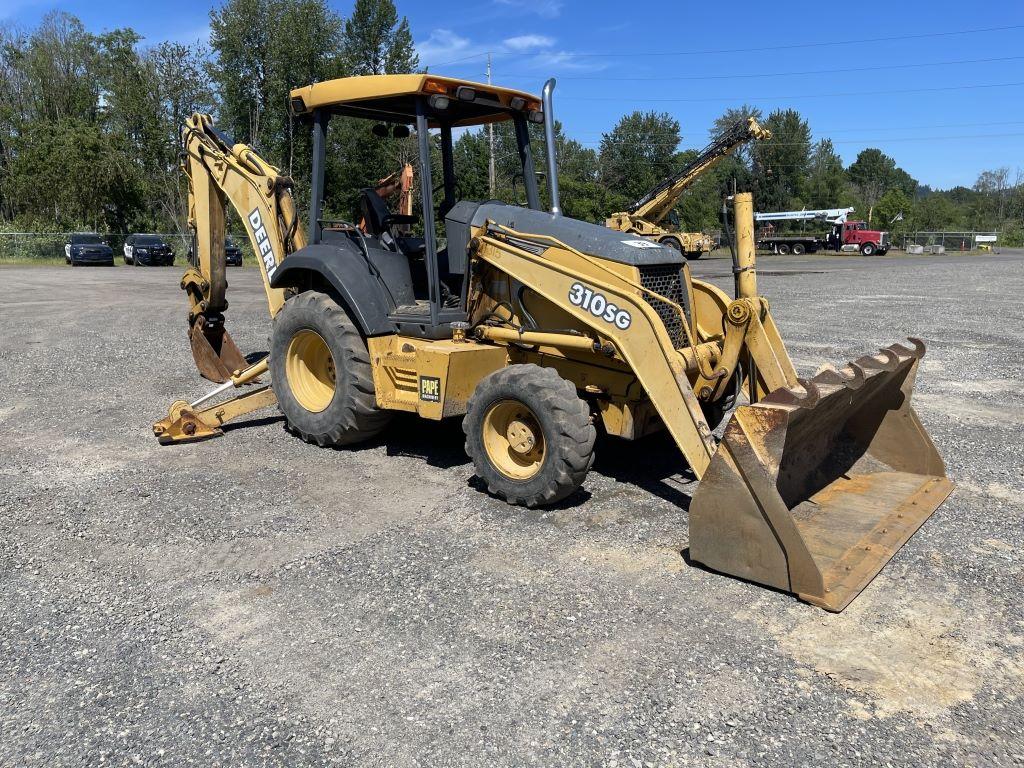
(392, 98)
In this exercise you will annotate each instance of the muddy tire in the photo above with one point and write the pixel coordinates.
(321, 373)
(529, 435)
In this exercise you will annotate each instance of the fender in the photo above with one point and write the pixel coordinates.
(347, 272)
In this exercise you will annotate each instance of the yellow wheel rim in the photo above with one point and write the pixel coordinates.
(513, 439)
(309, 367)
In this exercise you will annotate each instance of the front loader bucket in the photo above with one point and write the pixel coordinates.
(216, 354)
(813, 492)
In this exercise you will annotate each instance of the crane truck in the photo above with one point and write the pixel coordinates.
(644, 217)
(845, 235)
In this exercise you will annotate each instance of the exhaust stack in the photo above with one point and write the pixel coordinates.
(549, 139)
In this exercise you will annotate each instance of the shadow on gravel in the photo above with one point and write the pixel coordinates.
(252, 423)
(647, 463)
(439, 444)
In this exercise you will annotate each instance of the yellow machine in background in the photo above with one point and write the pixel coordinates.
(646, 215)
(532, 327)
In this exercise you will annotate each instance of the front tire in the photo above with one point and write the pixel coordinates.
(798, 249)
(868, 249)
(673, 243)
(321, 372)
(529, 435)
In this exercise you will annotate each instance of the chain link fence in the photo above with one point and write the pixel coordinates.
(48, 247)
(950, 241)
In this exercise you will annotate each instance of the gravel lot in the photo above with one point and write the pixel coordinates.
(253, 600)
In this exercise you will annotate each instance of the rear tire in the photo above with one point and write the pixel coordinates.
(322, 375)
(783, 249)
(529, 435)
(798, 249)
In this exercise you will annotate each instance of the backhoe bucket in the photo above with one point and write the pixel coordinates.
(215, 352)
(812, 492)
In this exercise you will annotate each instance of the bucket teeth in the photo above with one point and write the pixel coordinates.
(917, 351)
(792, 396)
(852, 376)
(873, 363)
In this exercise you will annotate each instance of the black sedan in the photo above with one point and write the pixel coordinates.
(148, 250)
(84, 248)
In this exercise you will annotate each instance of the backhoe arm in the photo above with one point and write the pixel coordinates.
(219, 172)
(659, 201)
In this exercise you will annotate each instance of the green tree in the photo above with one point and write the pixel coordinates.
(781, 162)
(376, 41)
(637, 153)
(72, 174)
(872, 173)
(826, 180)
(895, 211)
(255, 66)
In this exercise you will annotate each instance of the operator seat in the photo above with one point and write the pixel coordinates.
(379, 220)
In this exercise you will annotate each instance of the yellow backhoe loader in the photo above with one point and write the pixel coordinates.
(646, 215)
(535, 328)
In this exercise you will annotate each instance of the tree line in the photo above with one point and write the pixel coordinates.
(89, 133)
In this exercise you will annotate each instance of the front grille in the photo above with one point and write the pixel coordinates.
(667, 280)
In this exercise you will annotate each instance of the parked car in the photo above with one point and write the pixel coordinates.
(232, 254)
(148, 250)
(88, 248)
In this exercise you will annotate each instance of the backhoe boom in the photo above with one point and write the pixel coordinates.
(219, 172)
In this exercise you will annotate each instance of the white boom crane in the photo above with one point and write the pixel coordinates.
(831, 215)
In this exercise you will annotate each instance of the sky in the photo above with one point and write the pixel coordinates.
(937, 85)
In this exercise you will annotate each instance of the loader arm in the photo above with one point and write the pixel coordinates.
(219, 172)
(659, 201)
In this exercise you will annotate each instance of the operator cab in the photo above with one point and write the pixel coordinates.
(424, 284)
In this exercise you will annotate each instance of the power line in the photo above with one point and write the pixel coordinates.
(774, 48)
(876, 127)
(801, 95)
(914, 65)
(812, 142)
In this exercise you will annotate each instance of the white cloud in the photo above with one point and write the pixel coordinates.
(546, 9)
(443, 45)
(528, 42)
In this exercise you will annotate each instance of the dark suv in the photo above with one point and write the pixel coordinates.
(88, 248)
(148, 250)
(232, 254)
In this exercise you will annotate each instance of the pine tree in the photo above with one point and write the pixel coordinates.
(376, 42)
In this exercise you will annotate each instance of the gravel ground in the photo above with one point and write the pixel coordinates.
(253, 600)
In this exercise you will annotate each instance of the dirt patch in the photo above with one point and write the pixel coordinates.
(924, 659)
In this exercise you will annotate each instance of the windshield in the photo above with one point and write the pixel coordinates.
(86, 240)
(148, 240)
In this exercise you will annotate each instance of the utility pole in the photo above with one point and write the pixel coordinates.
(491, 181)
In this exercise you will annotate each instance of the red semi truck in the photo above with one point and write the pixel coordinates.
(849, 236)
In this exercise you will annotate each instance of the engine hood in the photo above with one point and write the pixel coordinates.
(592, 239)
